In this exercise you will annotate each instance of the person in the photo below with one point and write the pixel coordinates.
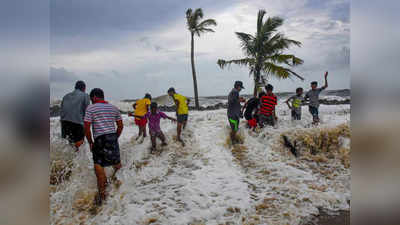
(182, 111)
(267, 107)
(73, 106)
(102, 117)
(296, 101)
(233, 111)
(154, 117)
(141, 108)
(313, 97)
(250, 109)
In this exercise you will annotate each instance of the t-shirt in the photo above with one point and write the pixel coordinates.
(251, 105)
(141, 106)
(268, 103)
(154, 120)
(297, 101)
(102, 116)
(183, 107)
(233, 104)
(313, 95)
(73, 106)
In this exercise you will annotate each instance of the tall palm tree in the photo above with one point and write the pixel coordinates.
(264, 52)
(197, 27)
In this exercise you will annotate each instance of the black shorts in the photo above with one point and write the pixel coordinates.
(267, 119)
(248, 116)
(296, 115)
(106, 150)
(314, 112)
(181, 118)
(72, 131)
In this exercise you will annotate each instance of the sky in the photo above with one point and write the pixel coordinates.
(130, 47)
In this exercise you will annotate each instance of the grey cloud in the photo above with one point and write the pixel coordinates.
(61, 75)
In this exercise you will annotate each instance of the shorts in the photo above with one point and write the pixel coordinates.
(267, 119)
(181, 118)
(141, 122)
(106, 150)
(248, 116)
(314, 111)
(72, 131)
(296, 115)
(234, 123)
(252, 123)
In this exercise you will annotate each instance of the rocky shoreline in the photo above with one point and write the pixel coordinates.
(55, 109)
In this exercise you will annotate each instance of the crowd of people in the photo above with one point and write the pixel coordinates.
(101, 122)
(259, 111)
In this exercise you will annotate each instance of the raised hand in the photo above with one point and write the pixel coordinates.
(326, 74)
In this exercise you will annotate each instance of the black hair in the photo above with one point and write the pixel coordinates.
(314, 83)
(96, 92)
(153, 105)
(80, 85)
(147, 95)
(299, 89)
(171, 89)
(261, 94)
(269, 87)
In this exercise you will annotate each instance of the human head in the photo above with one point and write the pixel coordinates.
(147, 95)
(299, 91)
(261, 94)
(96, 94)
(153, 107)
(269, 88)
(314, 85)
(171, 91)
(80, 85)
(238, 85)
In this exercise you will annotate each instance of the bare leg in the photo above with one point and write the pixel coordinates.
(144, 131)
(162, 138)
(153, 143)
(116, 168)
(178, 131)
(101, 181)
(184, 124)
(233, 137)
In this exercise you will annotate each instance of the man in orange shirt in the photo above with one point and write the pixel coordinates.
(141, 108)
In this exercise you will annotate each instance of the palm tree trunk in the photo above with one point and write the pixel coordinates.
(256, 81)
(196, 95)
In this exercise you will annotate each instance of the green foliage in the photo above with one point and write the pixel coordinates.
(265, 51)
(196, 26)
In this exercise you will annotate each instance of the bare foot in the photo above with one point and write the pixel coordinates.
(164, 144)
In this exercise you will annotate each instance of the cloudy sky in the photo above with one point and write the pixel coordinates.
(130, 47)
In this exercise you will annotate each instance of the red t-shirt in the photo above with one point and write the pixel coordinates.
(268, 103)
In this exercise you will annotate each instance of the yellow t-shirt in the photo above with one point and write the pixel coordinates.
(183, 107)
(141, 106)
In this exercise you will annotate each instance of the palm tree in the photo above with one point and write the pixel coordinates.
(197, 27)
(264, 52)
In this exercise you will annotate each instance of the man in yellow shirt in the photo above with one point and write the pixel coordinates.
(182, 111)
(141, 108)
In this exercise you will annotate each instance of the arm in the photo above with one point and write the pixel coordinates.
(134, 106)
(170, 118)
(187, 101)
(120, 127)
(88, 134)
(287, 102)
(133, 115)
(245, 105)
(326, 80)
(177, 105)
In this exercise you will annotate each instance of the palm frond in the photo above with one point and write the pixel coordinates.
(198, 14)
(271, 25)
(241, 62)
(270, 69)
(247, 43)
(207, 23)
(260, 17)
(289, 60)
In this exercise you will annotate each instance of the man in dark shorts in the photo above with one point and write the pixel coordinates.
(73, 106)
(267, 107)
(233, 111)
(182, 111)
(313, 96)
(105, 148)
